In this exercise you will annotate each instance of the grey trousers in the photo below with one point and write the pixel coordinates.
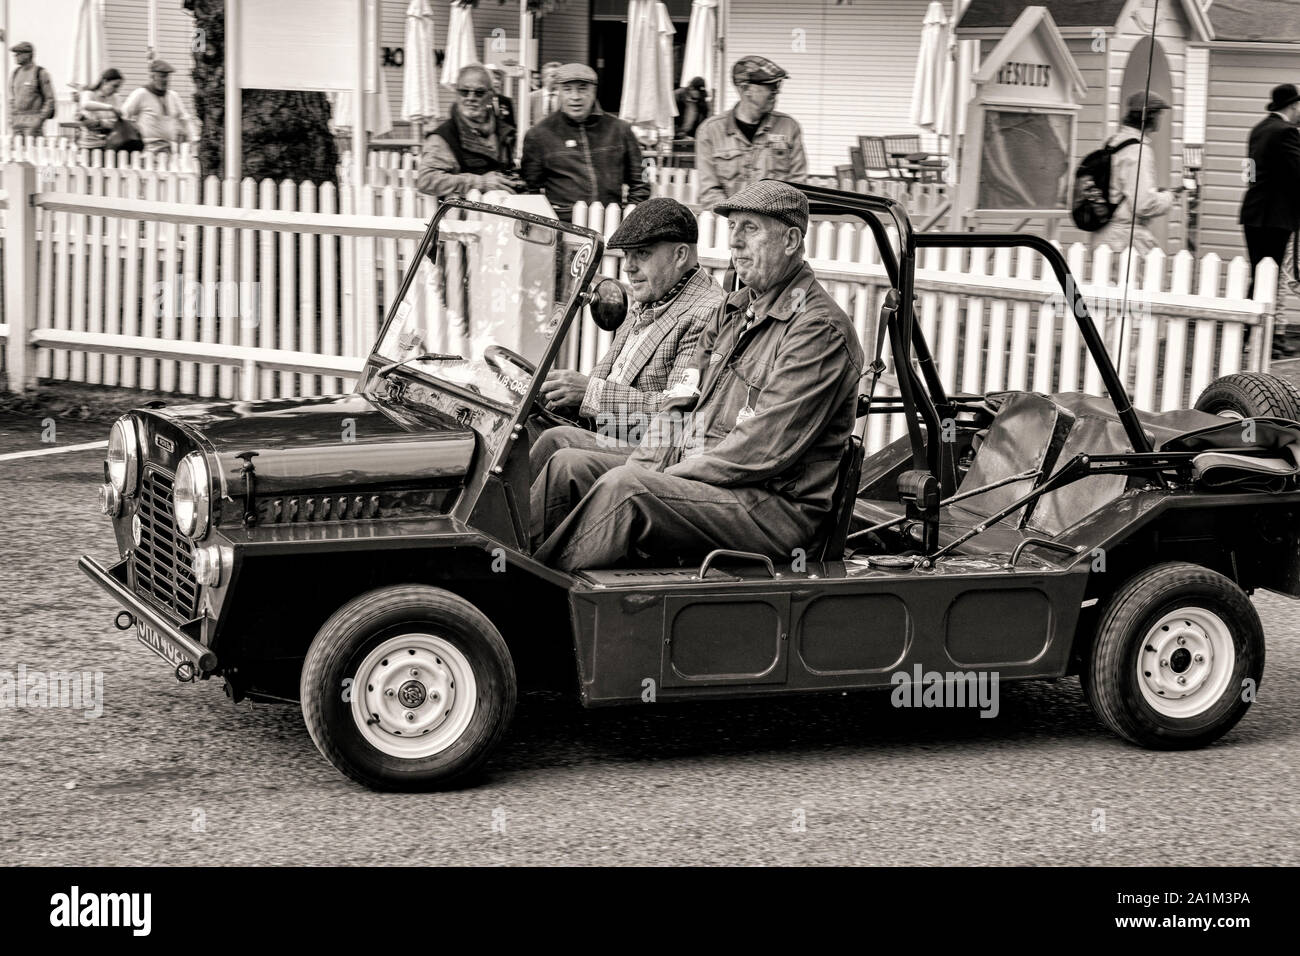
(545, 442)
(592, 510)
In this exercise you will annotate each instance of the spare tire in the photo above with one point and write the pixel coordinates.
(1251, 395)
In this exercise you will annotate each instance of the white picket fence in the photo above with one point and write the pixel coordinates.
(121, 277)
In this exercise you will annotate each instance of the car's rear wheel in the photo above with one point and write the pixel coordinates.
(1178, 657)
(408, 688)
(1251, 395)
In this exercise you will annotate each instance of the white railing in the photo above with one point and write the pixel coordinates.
(259, 292)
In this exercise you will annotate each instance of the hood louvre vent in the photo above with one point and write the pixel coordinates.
(303, 509)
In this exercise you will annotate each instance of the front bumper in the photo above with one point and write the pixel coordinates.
(113, 580)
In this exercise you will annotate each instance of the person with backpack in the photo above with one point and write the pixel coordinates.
(159, 113)
(31, 94)
(1131, 193)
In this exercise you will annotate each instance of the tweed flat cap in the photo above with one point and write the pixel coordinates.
(1154, 102)
(769, 197)
(756, 69)
(575, 73)
(161, 66)
(656, 220)
(23, 47)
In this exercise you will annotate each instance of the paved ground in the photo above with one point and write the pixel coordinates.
(176, 774)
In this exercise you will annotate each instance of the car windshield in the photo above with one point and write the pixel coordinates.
(481, 309)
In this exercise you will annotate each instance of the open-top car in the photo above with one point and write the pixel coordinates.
(369, 555)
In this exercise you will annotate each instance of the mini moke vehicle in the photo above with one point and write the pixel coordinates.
(368, 556)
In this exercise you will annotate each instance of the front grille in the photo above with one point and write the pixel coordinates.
(163, 559)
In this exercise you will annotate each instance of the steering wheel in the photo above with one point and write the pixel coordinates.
(498, 357)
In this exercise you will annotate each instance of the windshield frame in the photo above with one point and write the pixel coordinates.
(374, 361)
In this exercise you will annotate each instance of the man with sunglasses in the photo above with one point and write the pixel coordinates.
(750, 460)
(751, 141)
(474, 148)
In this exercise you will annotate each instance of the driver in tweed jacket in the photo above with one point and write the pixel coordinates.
(655, 350)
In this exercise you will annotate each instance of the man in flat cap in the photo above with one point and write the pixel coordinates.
(1270, 211)
(751, 141)
(1137, 192)
(655, 351)
(31, 94)
(749, 464)
(580, 153)
(157, 112)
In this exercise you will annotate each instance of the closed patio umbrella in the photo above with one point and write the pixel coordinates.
(648, 68)
(89, 46)
(699, 58)
(927, 84)
(419, 76)
(460, 43)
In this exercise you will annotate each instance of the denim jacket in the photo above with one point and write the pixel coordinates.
(727, 162)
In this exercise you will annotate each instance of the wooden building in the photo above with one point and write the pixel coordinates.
(1256, 46)
(1110, 41)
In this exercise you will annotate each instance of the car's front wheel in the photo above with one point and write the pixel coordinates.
(408, 688)
(1177, 659)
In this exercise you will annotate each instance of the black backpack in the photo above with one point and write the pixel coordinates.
(1092, 207)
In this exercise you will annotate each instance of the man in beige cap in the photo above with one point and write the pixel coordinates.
(157, 112)
(580, 153)
(750, 461)
(1136, 191)
(751, 141)
(31, 94)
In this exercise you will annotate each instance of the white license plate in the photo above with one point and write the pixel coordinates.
(160, 646)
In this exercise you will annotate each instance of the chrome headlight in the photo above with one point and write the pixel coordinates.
(191, 496)
(123, 458)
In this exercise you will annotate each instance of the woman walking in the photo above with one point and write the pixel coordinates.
(100, 109)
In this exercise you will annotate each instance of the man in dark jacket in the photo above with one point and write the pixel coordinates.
(474, 149)
(580, 153)
(31, 94)
(748, 461)
(1270, 211)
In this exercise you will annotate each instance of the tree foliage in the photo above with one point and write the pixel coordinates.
(285, 132)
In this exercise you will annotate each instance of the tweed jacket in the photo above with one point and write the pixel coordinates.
(667, 355)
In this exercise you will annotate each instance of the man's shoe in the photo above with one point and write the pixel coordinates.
(1283, 349)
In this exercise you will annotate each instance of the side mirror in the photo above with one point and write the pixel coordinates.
(608, 302)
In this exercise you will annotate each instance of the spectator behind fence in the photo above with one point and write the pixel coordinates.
(581, 153)
(542, 103)
(159, 113)
(502, 104)
(100, 106)
(31, 93)
(1270, 210)
(750, 141)
(692, 107)
(1144, 198)
(474, 148)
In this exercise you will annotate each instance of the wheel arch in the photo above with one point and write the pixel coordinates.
(282, 599)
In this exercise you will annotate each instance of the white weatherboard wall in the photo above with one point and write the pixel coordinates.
(851, 67)
(126, 26)
(1240, 83)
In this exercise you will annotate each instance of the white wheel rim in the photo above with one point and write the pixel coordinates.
(1231, 415)
(1186, 662)
(413, 696)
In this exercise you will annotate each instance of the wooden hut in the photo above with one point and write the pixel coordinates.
(1110, 41)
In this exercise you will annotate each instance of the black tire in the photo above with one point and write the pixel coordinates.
(330, 680)
(1251, 395)
(1110, 675)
